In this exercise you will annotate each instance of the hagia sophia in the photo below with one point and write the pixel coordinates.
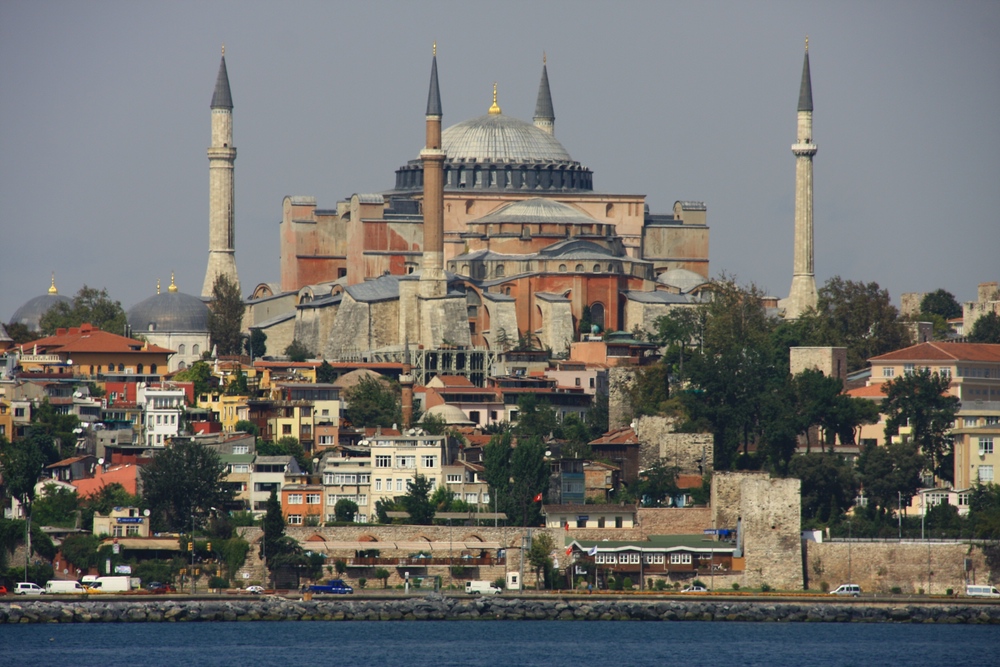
(492, 235)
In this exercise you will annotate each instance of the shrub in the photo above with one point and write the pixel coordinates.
(627, 584)
(896, 590)
(950, 592)
(824, 586)
(736, 585)
(765, 588)
(920, 591)
(699, 582)
(218, 582)
(341, 566)
(661, 584)
(362, 582)
(500, 583)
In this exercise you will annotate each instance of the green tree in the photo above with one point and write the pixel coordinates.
(286, 446)
(539, 555)
(677, 330)
(200, 374)
(273, 525)
(535, 417)
(22, 462)
(417, 501)
(650, 392)
(529, 475)
(88, 306)
(345, 509)
(182, 481)
(442, 499)
(382, 575)
(986, 329)
(434, 424)
(81, 550)
(890, 474)
(373, 402)
(829, 485)
(942, 303)
(256, 344)
(21, 334)
(247, 426)
(57, 506)
(984, 511)
(658, 485)
(225, 316)
(860, 317)
(920, 399)
(54, 431)
(496, 469)
(325, 373)
(297, 351)
(238, 384)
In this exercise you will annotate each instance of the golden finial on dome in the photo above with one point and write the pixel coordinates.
(434, 49)
(173, 287)
(495, 109)
(157, 286)
(223, 49)
(807, 43)
(52, 287)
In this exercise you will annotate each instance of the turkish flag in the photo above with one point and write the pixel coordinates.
(538, 498)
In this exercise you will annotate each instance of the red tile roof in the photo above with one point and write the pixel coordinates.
(869, 391)
(127, 475)
(937, 351)
(85, 338)
(622, 436)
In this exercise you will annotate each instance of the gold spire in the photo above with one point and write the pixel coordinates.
(495, 109)
(543, 57)
(807, 43)
(173, 287)
(434, 49)
(52, 287)
(157, 286)
(223, 49)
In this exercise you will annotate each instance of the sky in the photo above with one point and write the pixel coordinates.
(104, 124)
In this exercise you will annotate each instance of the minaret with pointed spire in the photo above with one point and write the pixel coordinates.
(802, 295)
(545, 116)
(406, 386)
(432, 277)
(221, 213)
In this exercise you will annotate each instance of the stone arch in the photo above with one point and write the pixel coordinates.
(469, 205)
(609, 210)
(422, 538)
(315, 537)
(367, 537)
(472, 537)
(597, 314)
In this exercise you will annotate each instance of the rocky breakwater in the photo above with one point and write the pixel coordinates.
(436, 607)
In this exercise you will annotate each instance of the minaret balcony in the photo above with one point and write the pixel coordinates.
(804, 149)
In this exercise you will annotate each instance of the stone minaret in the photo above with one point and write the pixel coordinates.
(803, 292)
(545, 117)
(406, 384)
(221, 157)
(432, 277)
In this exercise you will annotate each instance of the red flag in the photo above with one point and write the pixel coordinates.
(538, 498)
(566, 526)
(569, 550)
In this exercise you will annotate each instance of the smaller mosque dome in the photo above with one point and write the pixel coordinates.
(30, 314)
(452, 415)
(169, 311)
(683, 279)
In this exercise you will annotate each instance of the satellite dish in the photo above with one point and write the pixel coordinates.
(145, 512)
(100, 461)
(548, 452)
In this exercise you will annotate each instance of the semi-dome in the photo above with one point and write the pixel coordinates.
(536, 210)
(684, 280)
(169, 311)
(30, 314)
(500, 138)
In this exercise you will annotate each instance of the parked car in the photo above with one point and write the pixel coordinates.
(28, 588)
(158, 588)
(694, 589)
(482, 587)
(847, 589)
(256, 590)
(982, 591)
(3, 590)
(333, 586)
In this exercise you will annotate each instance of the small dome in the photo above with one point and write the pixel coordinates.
(169, 311)
(682, 279)
(499, 138)
(354, 378)
(452, 415)
(31, 312)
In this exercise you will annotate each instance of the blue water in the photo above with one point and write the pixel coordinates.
(445, 643)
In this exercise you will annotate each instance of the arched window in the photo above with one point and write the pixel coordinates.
(562, 268)
(579, 268)
(469, 204)
(195, 349)
(152, 368)
(597, 268)
(182, 349)
(121, 368)
(609, 210)
(138, 369)
(500, 270)
(597, 314)
(181, 366)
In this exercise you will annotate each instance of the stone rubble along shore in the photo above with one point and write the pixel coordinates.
(436, 607)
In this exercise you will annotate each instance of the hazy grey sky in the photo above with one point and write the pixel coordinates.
(104, 122)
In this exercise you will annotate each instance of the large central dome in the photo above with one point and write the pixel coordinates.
(499, 138)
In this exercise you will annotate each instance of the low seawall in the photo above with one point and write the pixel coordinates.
(437, 607)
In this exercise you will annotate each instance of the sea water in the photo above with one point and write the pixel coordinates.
(445, 643)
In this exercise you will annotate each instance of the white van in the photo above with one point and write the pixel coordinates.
(28, 588)
(847, 589)
(60, 587)
(982, 591)
(485, 587)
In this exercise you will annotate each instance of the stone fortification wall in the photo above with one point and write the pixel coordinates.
(673, 520)
(620, 381)
(691, 453)
(770, 510)
(909, 303)
(878, 567)
(435, 607)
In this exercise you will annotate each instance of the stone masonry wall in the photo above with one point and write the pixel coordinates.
(620, 381)
(770, 510)
(674, 521)
(878, 567)
(657, 441)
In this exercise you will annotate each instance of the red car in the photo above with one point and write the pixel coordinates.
(3, 590)
(159, 588)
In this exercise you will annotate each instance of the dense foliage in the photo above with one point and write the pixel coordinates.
(225, 317)
(89, 305)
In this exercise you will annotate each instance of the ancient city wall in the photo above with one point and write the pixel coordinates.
(674, 521)
(691, 453)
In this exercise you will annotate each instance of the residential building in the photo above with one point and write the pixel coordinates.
(397, 460)
(347, 476)
(268, 475)
(977, 453)
(589, 516)
(122, 522)
(89, 353)
(302, 504)
(163, 413)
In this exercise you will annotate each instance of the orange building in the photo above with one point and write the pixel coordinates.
(87, 352)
